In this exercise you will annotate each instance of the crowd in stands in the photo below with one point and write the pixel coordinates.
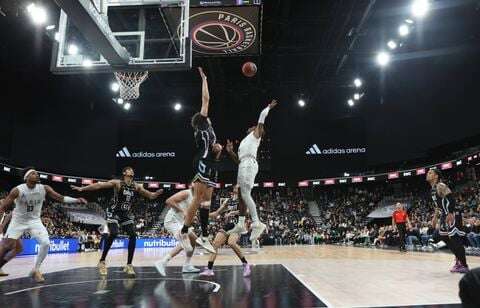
(343, 212)
(342, 217)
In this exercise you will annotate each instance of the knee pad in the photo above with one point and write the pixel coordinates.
(244, 188)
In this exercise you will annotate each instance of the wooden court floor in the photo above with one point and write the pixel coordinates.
(338, 276)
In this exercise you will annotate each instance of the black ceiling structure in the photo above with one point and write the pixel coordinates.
(311, 50)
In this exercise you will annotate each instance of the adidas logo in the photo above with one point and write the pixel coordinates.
(314, 150)
(124, 153)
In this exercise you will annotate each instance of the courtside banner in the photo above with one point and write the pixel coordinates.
(227, 31)
(159, 242)
(30, 246)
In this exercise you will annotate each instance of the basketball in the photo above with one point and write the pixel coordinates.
(249, 69)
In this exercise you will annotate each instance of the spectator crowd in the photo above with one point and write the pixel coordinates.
(340, 217)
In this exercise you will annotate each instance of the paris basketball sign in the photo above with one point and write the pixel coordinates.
(225, 31)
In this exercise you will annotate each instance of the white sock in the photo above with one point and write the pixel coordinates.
(241, 220)
(42, 254)
(248, 200)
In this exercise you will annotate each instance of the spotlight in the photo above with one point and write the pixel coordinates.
(392, 44)
(50, 28)
(115, 87)
(420, 8)
(37, 14)
(409, 21)
(301, 103)
(346, 174)
(403, 30)
(127, 106)
(357, 82)
(356, 96)
(177, 106)
(31, 7)
(87, 63)
(72, 49)
(383, 58)
(351, 103)
(120, 101)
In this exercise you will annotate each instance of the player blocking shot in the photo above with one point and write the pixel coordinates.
(247, 171)
(207, 153)
(119, 213)
(28, 199)
(451, 221)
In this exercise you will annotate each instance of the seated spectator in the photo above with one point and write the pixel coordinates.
(473, 232)
(426, 233)
(413, 235)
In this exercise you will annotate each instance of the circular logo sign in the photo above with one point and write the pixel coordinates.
(221, 33)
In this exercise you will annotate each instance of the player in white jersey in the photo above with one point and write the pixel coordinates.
(28, 199)
(247, 171)
(173, 222)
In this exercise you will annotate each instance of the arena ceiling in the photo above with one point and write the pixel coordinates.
(311, 50)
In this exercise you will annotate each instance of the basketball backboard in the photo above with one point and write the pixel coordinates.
(98, 36)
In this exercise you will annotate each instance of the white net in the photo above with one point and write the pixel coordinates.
(129, 83)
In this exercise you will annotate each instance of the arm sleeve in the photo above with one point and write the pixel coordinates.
(263, 115)
(67, 199)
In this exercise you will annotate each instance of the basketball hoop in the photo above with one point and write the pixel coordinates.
(130, 84)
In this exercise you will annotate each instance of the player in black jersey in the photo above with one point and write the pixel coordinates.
(451, 221)
(205, 171)
(119, 214)
(228, 235)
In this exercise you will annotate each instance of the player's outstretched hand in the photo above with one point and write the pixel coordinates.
(273, 103)
(82, 200)
(76, 188)
(202, 74)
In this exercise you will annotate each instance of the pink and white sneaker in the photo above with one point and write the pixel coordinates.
(460, 269)
(207, 272)
(455, 267)
(247, 270)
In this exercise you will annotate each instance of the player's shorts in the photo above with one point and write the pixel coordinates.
(35, 227)
(173, 226)
(121, 218)
(205, 173)
(247, 171)
(450, 230)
